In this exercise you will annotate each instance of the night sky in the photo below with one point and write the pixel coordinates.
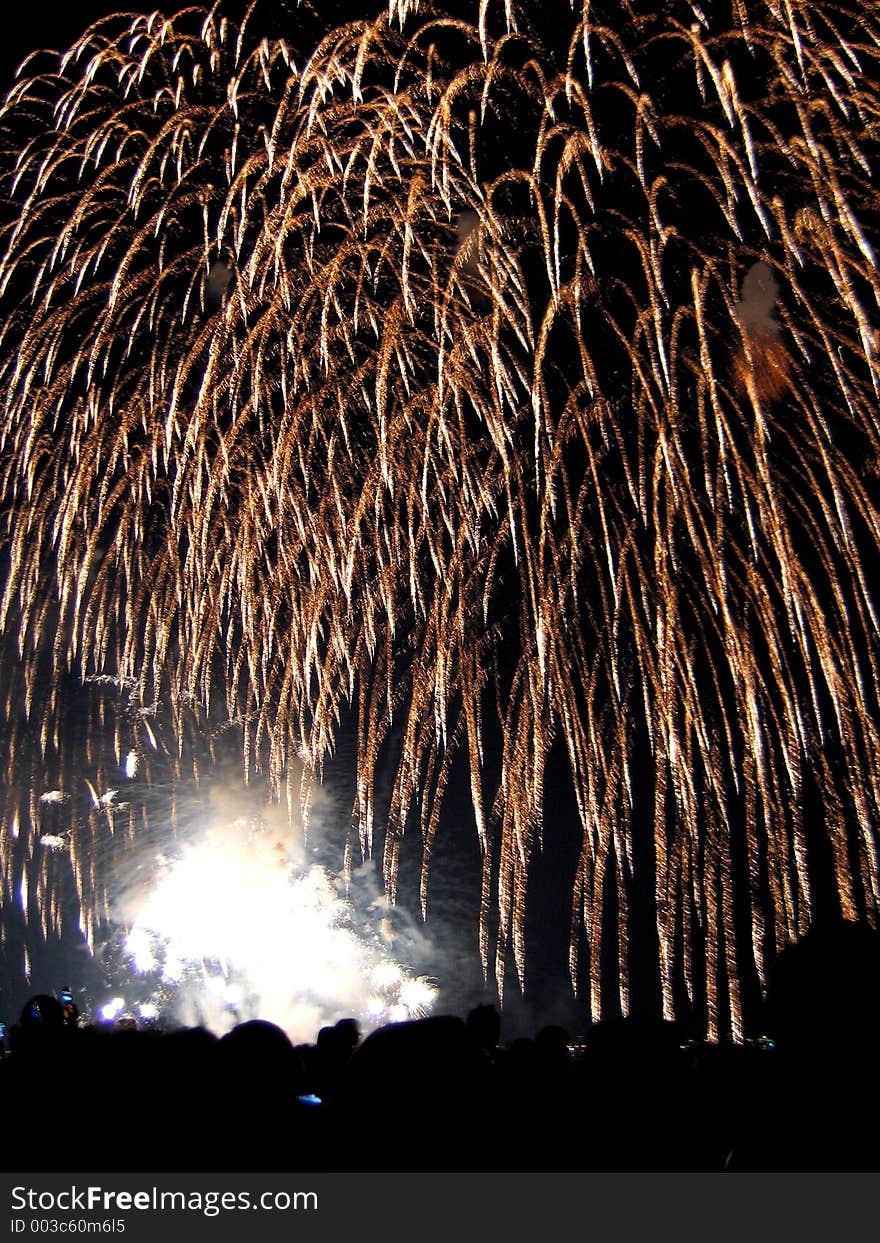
(698, 651)
(454, 889)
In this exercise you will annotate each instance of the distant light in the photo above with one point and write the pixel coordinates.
(173, 969)
(418, 996)
(233, 995)
(54, 796)
(51, 841)
(139, 944)
(112, 1008)
(386, 975)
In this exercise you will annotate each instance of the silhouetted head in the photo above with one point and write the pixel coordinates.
(340, 1040)
(41, 1030)
(551, 1043)
(259, 1050)
(348, 1032)
(257, 1038)
(484, 1027)
(825, 990)
(413, 1061)
(43, 1011)
(637, 1041)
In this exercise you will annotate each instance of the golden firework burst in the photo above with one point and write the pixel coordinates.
(411, 371)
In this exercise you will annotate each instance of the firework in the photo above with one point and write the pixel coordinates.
(502, 388)
(234, 924)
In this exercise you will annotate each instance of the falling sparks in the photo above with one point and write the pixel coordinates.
(503, 394)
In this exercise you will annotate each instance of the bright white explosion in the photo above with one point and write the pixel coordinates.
(233, 925)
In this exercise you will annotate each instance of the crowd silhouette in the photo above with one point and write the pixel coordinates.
(447, 1094)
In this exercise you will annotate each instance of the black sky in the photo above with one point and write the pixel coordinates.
(36, 26)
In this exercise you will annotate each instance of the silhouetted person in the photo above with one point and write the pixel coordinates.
(418, 1078)
(259, 1076)
(551, 1044)
(484, 1029)
(41, 1028)
(633, 1084)
(332, 1056)
(823, 1011)
(824, 992)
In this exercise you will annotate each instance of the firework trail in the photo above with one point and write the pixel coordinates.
(490, 382)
